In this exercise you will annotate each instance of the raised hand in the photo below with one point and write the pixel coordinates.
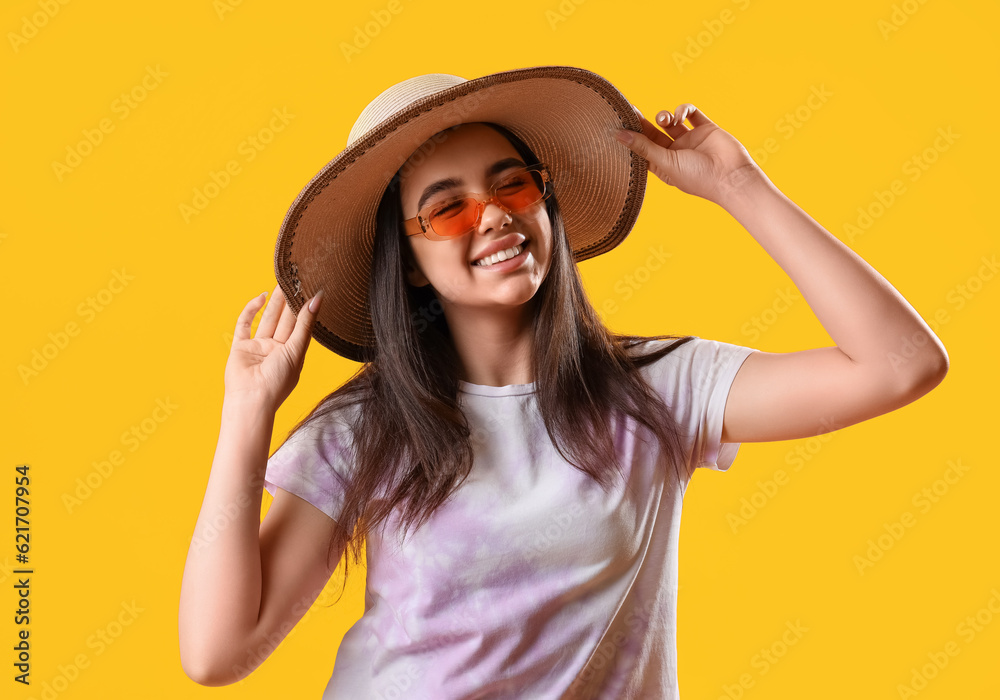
(703, 160)
(267, 366)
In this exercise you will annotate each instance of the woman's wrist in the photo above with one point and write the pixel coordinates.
(247, 406)
(742, 187)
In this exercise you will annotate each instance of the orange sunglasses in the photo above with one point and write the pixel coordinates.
(457, 216)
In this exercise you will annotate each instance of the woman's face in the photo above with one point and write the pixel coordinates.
(466, 155)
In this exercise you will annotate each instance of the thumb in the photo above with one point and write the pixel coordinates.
(299, 339)
(662, 161)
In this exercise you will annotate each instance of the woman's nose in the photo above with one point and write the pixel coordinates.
(493, 217)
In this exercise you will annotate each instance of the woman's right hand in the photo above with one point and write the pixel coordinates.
(267, 366)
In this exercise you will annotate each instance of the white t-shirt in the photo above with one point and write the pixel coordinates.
(530, 581)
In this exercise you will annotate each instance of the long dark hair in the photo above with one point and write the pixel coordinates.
(411, 445)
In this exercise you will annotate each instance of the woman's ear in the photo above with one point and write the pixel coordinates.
(416, 277)
(413, 272)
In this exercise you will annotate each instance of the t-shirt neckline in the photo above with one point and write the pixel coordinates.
(486, 390)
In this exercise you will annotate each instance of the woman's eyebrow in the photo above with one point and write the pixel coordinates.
(450, 182)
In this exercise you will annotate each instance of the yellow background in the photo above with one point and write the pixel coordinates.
(165, 335)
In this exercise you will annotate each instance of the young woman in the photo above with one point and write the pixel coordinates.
(514, 469)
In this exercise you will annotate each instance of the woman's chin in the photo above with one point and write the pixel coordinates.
(509, 298)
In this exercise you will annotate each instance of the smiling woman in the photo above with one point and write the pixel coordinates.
(513, 469)
(477, 158)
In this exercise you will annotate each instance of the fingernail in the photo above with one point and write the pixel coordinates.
(661, 117)
(314, 302)
(624, 135)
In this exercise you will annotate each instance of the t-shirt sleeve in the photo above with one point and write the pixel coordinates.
(313, 465)
(695, 380)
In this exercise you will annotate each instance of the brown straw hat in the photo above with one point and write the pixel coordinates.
(567, 116)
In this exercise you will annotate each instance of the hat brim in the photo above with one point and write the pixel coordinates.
(566, 115)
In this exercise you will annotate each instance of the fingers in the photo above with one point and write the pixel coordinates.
(674, 125)
(246, 317)
(265, 329)
(299, 339)
(691, 113)
(650, 131)
(285, 324)
(666, 120)
(662, 161)
(661, 149)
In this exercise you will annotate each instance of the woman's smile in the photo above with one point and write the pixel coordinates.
(505, 260)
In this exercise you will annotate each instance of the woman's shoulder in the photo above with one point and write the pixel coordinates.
(683, 345)
(688, 358)
(654, 347)
(331, 422)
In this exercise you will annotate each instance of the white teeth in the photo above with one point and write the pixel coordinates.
(498, 257)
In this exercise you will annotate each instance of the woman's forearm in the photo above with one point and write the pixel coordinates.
(221, 587)
(865, 316)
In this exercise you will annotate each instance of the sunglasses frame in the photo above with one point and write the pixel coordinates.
(420, 224)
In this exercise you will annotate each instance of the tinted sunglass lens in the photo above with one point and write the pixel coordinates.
(456, 218)
(521, 190)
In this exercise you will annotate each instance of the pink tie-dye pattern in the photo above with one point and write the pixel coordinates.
(531, 581)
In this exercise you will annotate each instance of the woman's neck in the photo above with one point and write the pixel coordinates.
(494, 348)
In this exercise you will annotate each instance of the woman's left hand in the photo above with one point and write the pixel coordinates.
(704, 160)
